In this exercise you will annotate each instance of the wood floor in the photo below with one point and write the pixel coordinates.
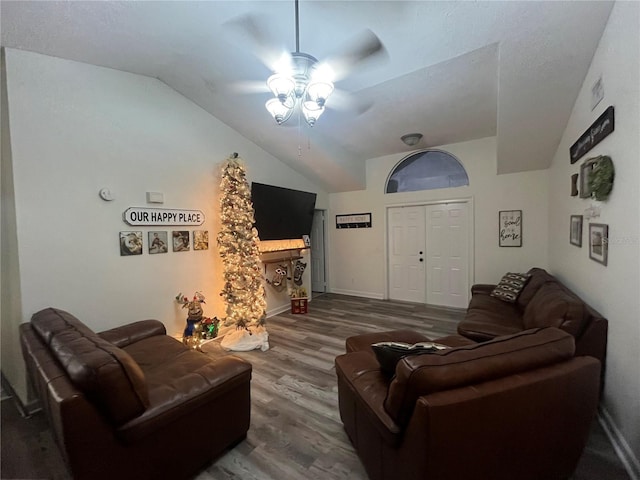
(296, 431)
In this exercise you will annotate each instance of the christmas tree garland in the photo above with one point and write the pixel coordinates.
(243, 290)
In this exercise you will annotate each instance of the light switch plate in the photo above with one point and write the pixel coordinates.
(155, 197)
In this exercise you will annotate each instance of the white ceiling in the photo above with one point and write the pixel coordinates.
(454, 71)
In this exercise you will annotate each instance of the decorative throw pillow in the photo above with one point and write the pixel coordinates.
(390, 353)
(510, 286)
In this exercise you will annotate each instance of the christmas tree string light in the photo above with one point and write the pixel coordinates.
(243, 290)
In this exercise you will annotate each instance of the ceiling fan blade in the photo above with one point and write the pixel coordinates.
(366, 46)
(250, 32)
(345, 101)
(249, 86)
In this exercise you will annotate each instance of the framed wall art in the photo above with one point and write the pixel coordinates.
(599, 242)
(130, 243)
(593, 135)
(574, 185)
(181, 240)
(158, 242)
(575, 231)
(201, 240)
(510, 228)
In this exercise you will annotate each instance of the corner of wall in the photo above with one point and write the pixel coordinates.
(10, 293)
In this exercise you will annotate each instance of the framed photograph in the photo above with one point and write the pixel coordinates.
(585, 169)
(574, 185)
(130, 243)
(599, 242)
(510, 228)
(201, 240)
(180, 240)
(575, 232)
(158, 242)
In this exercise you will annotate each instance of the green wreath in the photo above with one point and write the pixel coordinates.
(601, 177)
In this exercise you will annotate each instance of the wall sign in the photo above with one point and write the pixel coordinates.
(162, 216)
(354, 220)
(597, 132)
(510, 228)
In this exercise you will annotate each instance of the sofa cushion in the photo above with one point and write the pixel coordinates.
(510, 286)
(553, 306)
(487, 318)
(388, 353)
(179, 380)
(106, 374)
(468, 365)
(362, 342)
(537, 278)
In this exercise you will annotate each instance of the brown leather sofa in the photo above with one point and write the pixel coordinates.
(543, 302)
(132, 402)
(515, 407)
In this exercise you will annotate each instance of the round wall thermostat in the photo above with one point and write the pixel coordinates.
(106, 194)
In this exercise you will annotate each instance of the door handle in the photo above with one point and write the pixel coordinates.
(422, 260)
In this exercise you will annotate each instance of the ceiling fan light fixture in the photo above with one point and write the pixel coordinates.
(300, 81)
(411, 139)
(281, 85)
(311, 112)
(319, 92)
(279, 111)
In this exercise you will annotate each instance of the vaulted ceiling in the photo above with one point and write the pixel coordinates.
(453, 71)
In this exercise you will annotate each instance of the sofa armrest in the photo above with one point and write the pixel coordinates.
(133, 332)
(482, 288)
(361, 380)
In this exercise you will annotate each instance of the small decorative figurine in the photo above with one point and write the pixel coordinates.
(191, 334)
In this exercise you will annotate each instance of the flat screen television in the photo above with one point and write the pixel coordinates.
(282, 213)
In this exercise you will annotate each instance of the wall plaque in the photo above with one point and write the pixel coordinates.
(597, 132)
(162, 216)
(510, 228)
(354, 220)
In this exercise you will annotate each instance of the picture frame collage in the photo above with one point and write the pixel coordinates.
(581, 186)
(162, 241)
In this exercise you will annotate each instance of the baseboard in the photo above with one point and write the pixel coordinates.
(282, 308)
(620, 445)
(355, 293)
(25, 410)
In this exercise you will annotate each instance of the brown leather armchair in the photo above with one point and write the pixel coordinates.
(516, 407)
(132, 402)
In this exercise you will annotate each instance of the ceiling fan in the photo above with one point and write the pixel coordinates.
(299, 80)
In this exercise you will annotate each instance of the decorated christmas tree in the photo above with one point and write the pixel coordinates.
(243, 291)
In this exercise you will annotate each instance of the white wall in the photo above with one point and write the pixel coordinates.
(76, 128)
(357, 256)
(613, 290)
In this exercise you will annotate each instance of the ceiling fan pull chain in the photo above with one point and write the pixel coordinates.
(299, 130)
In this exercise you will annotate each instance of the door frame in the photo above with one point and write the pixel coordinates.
(325, 239)
(470, 240)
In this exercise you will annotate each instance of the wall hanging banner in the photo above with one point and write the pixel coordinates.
(162, 216)
(354, 220)
(598, 130)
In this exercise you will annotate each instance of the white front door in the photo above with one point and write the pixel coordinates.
(428, 259)
(318, 282)
(447, 259)
(406, 231)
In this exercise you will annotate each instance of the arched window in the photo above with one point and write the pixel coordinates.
(427, 170)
